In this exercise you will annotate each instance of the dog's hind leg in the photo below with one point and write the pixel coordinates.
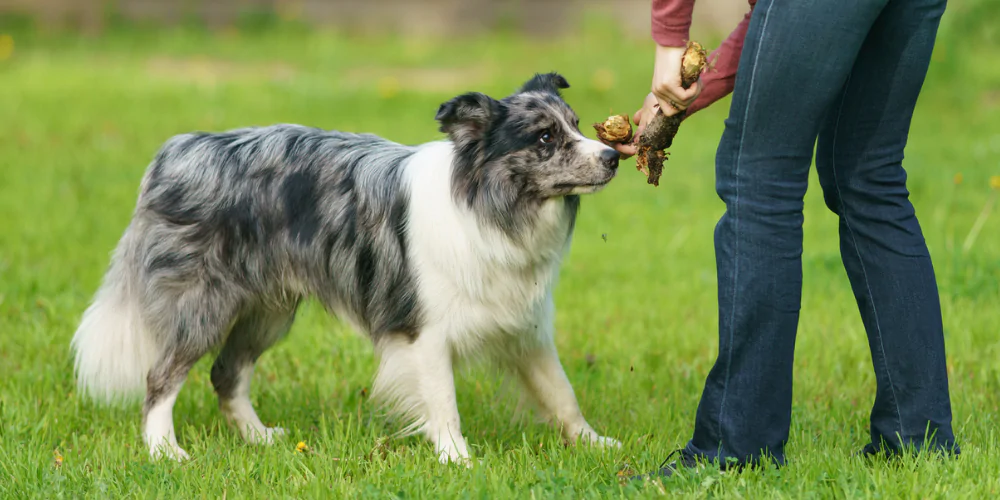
(252, 334)
(192, 324)
(417, 378)
(163, 384)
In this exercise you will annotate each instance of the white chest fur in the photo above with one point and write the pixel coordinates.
(477, 285)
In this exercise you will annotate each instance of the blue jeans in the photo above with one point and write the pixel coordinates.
(847, 74)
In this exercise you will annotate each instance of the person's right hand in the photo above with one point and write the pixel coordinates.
(672, 97)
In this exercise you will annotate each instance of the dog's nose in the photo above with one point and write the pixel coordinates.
(609, 158)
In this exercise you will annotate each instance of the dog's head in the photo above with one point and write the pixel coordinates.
(527, 145)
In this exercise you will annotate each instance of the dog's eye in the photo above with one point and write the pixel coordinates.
(545, 138)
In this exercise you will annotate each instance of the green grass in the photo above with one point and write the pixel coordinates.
(81, 118)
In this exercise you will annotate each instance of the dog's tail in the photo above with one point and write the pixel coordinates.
(113, 348)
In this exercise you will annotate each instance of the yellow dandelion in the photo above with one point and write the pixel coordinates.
(995, 182)
(388, 87)
(301, 447)
(958, 178)
(6, 46)
(602, 80)
(57, 458)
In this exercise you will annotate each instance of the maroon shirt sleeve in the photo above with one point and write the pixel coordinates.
(719, 81)
(671, 21)
(671, 26)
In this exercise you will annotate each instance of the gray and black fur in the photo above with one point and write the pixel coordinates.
(497, 171)
(236, 228)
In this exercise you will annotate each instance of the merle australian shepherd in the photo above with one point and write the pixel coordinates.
(439, 252)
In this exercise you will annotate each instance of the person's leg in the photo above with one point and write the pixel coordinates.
(859, 159)
(796, 58)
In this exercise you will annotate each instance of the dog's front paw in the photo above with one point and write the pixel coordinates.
(592, 438)
(268, 437)
(451, 455)
(606, 442)
(169, 451)
(463, 461)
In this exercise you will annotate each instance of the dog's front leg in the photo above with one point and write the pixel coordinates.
(443, 425)
(419, 376)
(542, 375)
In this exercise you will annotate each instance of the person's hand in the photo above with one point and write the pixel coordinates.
(640, 118)
(671, 97)
(667, 94)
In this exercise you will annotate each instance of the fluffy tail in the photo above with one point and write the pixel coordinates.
(114, 351)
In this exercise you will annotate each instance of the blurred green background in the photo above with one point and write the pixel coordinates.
(89, 91)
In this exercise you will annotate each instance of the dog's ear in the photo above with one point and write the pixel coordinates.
(467, 116)
(548, 82)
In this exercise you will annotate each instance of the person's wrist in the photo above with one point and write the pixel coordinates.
(670, 49)
(665, 67)
(666, 57)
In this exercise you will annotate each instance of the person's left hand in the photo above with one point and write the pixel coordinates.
(641, 117)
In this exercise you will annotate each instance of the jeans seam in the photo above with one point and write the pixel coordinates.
(857, 250)
(736, 223)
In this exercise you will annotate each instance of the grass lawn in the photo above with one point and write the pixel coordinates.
(81, 118)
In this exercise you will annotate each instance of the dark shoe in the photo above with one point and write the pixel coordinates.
(666, 470)
(871, 453)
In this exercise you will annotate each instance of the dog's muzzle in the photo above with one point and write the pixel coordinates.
(609, 159)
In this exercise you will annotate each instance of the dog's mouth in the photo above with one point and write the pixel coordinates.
(583, 188)
(587, 188)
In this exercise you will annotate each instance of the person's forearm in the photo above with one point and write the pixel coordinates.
(671, 22)
(718, 82)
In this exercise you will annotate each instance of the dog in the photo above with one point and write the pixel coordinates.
(439, 252)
